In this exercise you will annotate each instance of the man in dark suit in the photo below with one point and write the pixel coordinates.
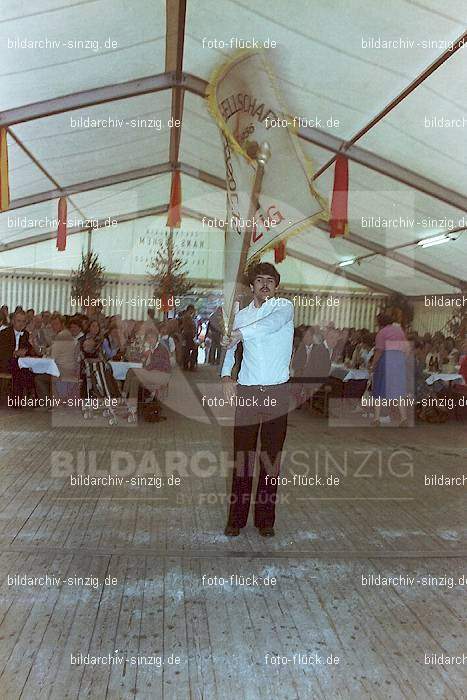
(14, 343)
(216, 330)
(190, 354)
(311, 365)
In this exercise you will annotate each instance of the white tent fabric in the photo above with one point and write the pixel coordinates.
(331, 68)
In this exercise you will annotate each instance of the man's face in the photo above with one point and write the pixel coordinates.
(263, 287)
(75, 329)
(308, 337)
(56, 325)
(152, 338)
(19, 322)
(46, 317)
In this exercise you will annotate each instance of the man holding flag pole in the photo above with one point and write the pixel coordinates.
(265, 206)
(265, 328)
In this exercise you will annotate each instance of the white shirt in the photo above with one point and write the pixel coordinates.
(18, 335)
(267, 343)
(169, 343)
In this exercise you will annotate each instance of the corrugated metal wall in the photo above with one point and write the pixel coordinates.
(359, 310)
(42, 292)
(428, 319)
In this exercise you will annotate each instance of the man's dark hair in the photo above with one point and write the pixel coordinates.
(263, 269)
(190, 307)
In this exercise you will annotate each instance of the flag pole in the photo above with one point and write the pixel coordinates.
(261, 154)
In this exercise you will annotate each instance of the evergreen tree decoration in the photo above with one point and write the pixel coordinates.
(167, 272)
(88, 279)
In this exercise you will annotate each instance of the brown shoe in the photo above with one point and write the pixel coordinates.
(231, 531)
(266, 531)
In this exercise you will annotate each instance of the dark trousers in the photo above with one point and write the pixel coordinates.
(269, 419)
(190, 353)
(215, 350)
(22, 380)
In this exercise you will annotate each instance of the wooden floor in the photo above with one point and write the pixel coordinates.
(226, 641)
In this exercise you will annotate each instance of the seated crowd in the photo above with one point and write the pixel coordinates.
(158, 346)
(392, 373)
(71, 340)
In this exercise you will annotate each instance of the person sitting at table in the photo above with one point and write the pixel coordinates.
(136, 342)
(90, 343)
(332, 337)
(167, 340)
(75, 328)
(363, 351)
(389, 365)
(463, 361)
(432, 358)
(153, 377)
(4, 317)
(113, 345)
(311, 365)
(14, 344)
(66, 354)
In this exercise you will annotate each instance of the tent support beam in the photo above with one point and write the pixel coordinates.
(220, 183)
(110, 180)
(352, 238)
(398, 99)
(89, 185)
(175, 40)
(197, 86)
(48, 235)
(392, 254)
(340, 272)
(384, 167)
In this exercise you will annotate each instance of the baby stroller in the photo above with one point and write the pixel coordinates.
(101, 391)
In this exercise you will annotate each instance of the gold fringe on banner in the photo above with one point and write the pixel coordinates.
(211, 96)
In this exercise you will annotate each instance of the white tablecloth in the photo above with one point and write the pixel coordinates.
(445, 377)
(346, 375)
(120, 369)
(39, 365)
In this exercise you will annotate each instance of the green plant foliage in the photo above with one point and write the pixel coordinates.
(88, 279)
(167, 272)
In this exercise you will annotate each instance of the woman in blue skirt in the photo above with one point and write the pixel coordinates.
(390, 366)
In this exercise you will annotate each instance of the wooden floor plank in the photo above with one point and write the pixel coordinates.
(158, 543)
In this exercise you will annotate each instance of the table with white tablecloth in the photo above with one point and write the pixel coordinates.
(446, 377)
(39, 365)
(120, 369)
(346, 374)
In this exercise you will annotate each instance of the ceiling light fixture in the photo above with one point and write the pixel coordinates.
(434, 240)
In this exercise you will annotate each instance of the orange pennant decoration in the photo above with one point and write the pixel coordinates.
(4, 182)
(62, 219)
(340, 198)
(279, 252)
(174, 218)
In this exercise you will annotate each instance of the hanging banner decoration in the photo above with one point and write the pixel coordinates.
(244, 100)
(279, 252)
(174, 218)
(4, 182)
(62, 220)
(340, 198)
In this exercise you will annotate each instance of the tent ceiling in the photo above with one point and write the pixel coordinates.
(123, 171)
